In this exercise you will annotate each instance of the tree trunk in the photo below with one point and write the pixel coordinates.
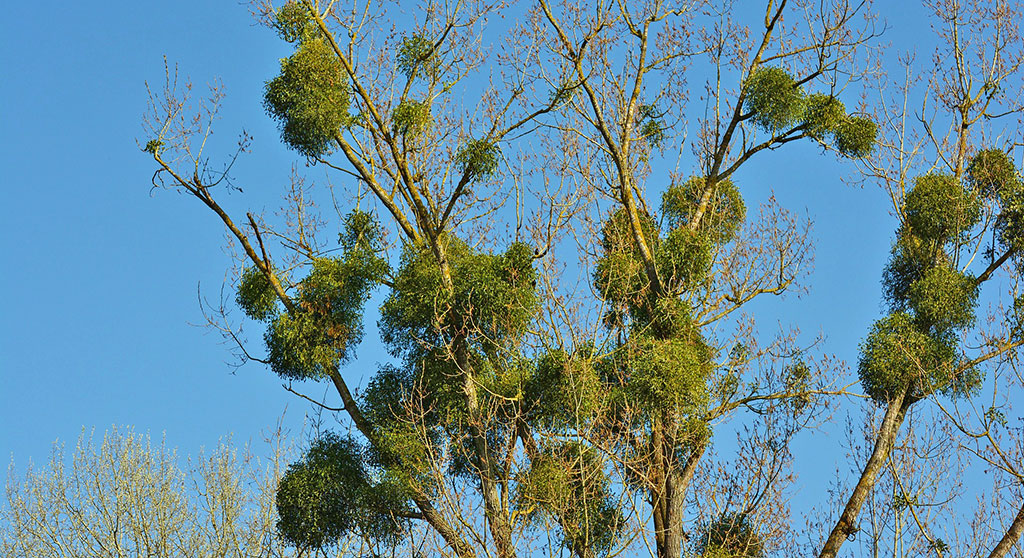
(1011, 537)
(894, 416)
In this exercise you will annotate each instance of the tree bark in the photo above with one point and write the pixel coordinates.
(894, 416)
(1011, 537)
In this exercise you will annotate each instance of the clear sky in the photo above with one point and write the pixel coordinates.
(100, 273)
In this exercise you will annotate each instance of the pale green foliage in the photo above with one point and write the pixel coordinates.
(992, 173)
(651, 128)
(619, 274)
(943, 299)
(330, 494)
(670, 373)
(127, 495)
(562, 388)
(776, 103)
(855, 136)
(796, 378)
(823, 115)
(293, 22)
(400, 449)
(416, 53)
(897, 355)
(153, 146)
(310, 98)
(732, 535)
(493, 298)
(312, 339)
(914, 348)
(774, 98)
(568, 482)
(723, 216)
(911, 259)
(411, 118)
(489, 305)
(256, 295)
(940, 209)
(684, 258)
(478, 159)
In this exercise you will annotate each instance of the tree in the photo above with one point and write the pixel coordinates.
(126, 496)
(525, 409)
(953, 193)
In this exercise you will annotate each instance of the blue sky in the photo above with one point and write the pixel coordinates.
(100, 273)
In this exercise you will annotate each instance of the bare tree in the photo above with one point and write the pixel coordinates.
(126, 495)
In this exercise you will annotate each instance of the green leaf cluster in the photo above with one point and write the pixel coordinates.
(331, 493)
(651, 128)
(562, 389)
(256, 295)
(683, 257)
(943, 299)
(310, 98)
(478, 159)
(327, 320)
(914, 349)
(669, 374)
(911, 258)
(774, 98)
(414, 53)
(823, 114)
(855, 136)
(411, 118)
(492, 298)
(992, 173)
(293, 22)
(897, 355)
(723, 216)
(940, 209)
(776, 102)
(567, 481)
(732, 535)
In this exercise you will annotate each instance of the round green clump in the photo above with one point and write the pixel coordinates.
(855, 136)
(992, 173)
(309, 99)
(732, 535)
(617, 233)
(567, 481)
(685, 258)
(723, 216)
(478, 159)
(293, 22)
(411, 118)
(416, 52)
(563, 390)
(822, 115)
(898, 356)
(911, 258)
(256, 295)
(620, 278)
(651, 128)
(311, 340)
(670, 374)
(329, 494)
(299, 348)
(939, 209)
(619, 275)
(944, 299)
(492, 298)
(1010, 222)
(774, 98)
